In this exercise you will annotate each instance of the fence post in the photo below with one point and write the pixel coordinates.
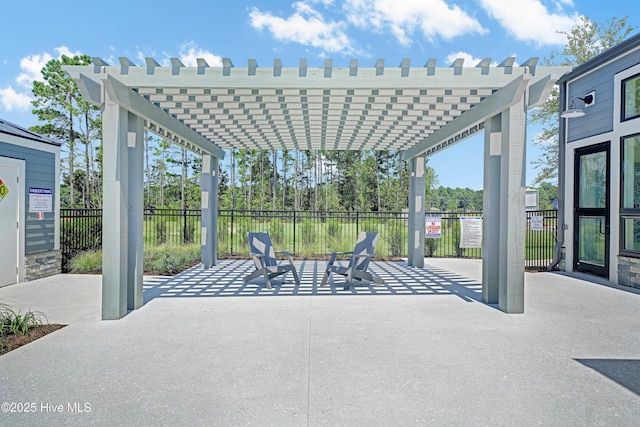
(357, 223)
(232, 232)
(184, 225)
(294, 230)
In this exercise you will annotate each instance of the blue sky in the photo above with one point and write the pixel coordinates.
(33, 32)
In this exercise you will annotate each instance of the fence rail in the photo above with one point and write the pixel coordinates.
(310, 234)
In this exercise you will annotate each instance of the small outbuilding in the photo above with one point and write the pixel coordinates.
(29, 205)
(599, 158)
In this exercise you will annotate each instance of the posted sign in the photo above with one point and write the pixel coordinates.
(537, 223)
(433, 227)
(40, 200)
(4, 190)
(470, 232)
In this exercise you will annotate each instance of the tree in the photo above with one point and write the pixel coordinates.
(67, 118)
(584, 41)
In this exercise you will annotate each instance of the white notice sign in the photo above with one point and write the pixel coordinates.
(537, 223)
(470, 232)
(40, 200)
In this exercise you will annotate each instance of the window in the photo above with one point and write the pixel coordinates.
(630, 197)
(631, 98)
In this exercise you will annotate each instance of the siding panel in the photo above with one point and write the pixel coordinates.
(40, 173)
(598, 118)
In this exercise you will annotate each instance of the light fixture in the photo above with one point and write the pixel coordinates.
(572, 112)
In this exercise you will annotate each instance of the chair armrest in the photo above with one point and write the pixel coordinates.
(256, 255)
(340, 253)
(362, 256)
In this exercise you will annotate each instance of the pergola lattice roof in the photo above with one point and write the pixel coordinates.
(304, 108)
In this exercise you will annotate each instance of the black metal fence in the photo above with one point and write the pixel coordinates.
(80, 230)
(309, 234)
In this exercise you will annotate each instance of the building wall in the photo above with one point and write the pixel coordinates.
(601, 123)
(41, 236)
(598, 118)
(39, 173)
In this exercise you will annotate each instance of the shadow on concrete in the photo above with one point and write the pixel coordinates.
(625, 372)
(226, 280)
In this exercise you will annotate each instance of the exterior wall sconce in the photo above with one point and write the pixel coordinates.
(589, 99)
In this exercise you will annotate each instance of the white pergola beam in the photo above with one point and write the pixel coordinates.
(499, 101)
(134, 103)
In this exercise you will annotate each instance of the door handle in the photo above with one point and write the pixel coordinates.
(604, 228)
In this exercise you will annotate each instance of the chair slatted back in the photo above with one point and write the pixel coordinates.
(260, 243)
(365, 245)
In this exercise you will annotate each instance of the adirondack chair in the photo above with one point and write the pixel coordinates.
(264, 258)
(358, 263)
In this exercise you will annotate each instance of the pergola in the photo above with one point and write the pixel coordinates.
(417, 110)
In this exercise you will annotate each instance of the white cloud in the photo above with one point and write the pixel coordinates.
(431, 18)
(530, 21)
(189, 52)
(11, 99)
(31, 67)
(63, 50)
(306, 26)
(469, 60)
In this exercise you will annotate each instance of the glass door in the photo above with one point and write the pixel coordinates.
(591, 210)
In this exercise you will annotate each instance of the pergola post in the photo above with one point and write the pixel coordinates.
(209, 230)
(491, 208)
(416, 226)
(122, 211)
(512, 209)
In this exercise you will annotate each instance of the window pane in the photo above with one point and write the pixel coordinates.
(592, 242)
(631, 230)
(593, 180)
(631, 172)
(631, 92)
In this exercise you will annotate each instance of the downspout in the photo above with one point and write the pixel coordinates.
(562, 143)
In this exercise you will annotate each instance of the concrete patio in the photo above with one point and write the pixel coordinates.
(205, 349)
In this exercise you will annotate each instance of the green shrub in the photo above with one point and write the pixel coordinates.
(16, 322)
(164, 260)
(168, 260)
(86, 262)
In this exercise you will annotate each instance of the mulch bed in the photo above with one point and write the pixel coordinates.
(12, 341)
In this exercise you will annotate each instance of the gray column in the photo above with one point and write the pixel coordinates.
(416, 226)
(512, 209)
(491, 210)
(209, 233)
(135, 143)
(122, 214)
